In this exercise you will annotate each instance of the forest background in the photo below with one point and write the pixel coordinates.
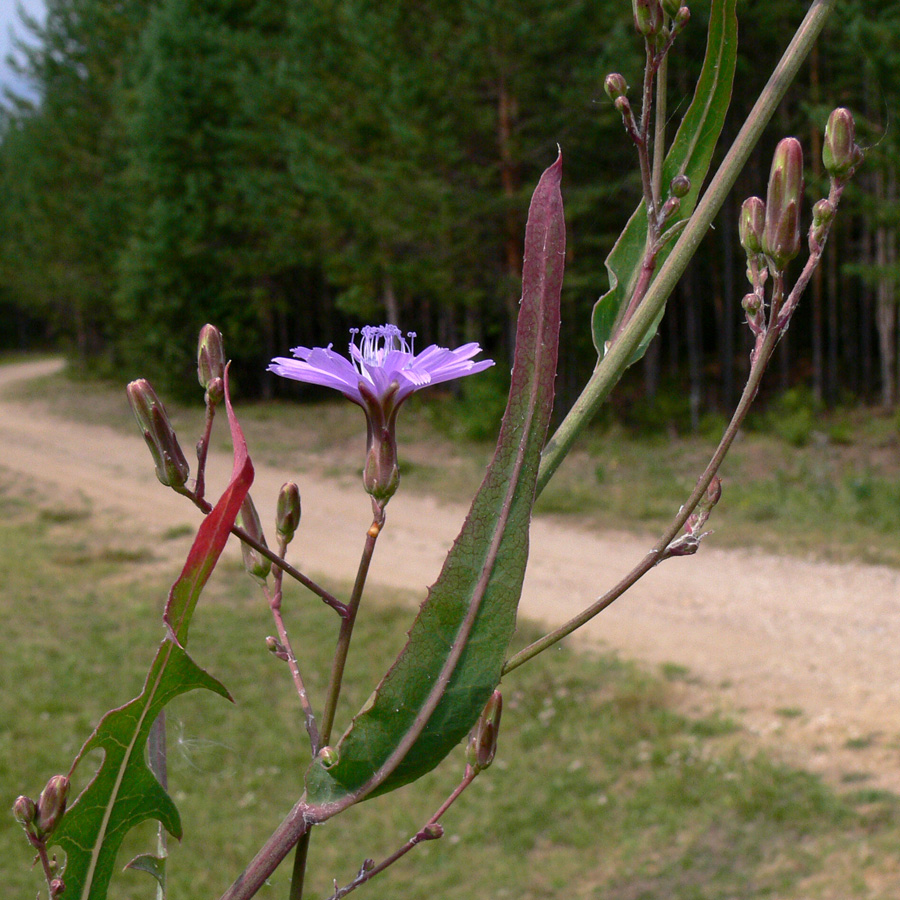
(288, 170)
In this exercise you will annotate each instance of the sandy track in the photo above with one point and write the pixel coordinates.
(759, 633)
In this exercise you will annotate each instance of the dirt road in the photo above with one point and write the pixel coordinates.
(805, 654)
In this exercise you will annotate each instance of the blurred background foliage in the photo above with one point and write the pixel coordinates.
(288, 170)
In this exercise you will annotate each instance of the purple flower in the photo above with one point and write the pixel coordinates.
(380, 374)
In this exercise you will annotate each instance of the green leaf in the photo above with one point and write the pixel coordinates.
(154, 866)
(124, 792)
(437, 687)
(690, 154)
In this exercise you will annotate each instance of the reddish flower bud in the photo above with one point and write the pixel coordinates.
(840, 153)
(432, 832)
(752, 225)
(172, 468)
(669, 210)
(51, 805)
(25, 811)
(683, 17)
(255, 563)
(483, 738)
(211, 362)
(781, 238)
(615, 86)
(287, 515)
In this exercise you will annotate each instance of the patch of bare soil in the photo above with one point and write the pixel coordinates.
(805, 655)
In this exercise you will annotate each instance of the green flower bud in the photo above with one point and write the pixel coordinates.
(823, 213)
(25, 811)
(781, 238)
(615, 86)
(51, 805)
(287, 515)
(840, 153)
(172, 468)
(648, 16)
(483, 738)
(211, 362)
(671, 7)
(255, 563)
(752, 225)
(680, 186)
(329, 757)
(683, 17)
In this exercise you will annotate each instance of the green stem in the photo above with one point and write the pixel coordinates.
(765, 348)
(299, 872)
(609, 370)
(346, 632)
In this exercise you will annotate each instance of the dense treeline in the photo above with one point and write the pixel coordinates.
(288, 170)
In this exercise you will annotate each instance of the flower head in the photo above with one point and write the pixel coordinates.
(381, 372)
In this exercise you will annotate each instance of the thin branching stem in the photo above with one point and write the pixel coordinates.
(274, 598)
(203, 450)
(347, 623)
(368, 872)
(328, 598)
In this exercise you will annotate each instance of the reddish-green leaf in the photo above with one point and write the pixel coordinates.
(437, 687)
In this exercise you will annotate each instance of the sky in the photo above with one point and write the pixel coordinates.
(9, 23)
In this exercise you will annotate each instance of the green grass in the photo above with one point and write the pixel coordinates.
(600, 788)
(823, 486)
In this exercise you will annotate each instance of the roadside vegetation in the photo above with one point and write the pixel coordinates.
(600, 788)
(800, 480)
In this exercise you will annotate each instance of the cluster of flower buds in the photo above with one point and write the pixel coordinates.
(750, 229)
(172, 468)
(211, 364)
(40, 819)
(482, 744)
(255, 563)
(650, 17)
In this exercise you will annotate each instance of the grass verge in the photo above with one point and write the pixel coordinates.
(600, 788)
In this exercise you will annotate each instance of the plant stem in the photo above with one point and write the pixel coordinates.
(290, 657)
(157, 758)
(347, 623)
(780, 312)
(765, 347)
(301, 853)
(367, 874)
(203, 450)
(329, 599)
(609, 370)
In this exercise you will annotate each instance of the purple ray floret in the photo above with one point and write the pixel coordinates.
(382, 358)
